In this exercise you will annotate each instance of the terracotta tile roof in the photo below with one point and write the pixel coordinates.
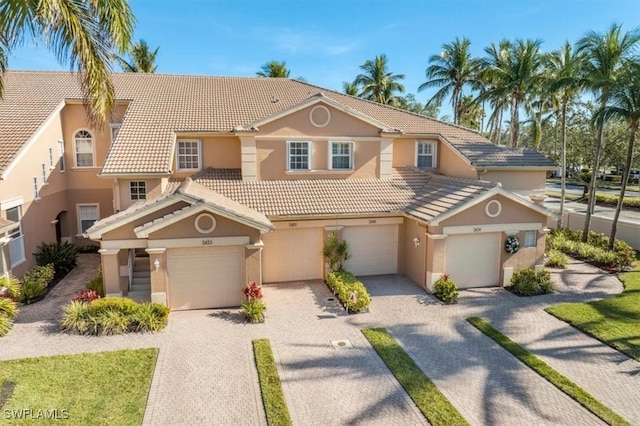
(163, 104)
(6, 224)
(420, 194)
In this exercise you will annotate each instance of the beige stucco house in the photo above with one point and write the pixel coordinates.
(198, 185)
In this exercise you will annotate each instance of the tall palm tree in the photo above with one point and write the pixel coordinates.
(471, 113)
(624, 104)
(487, 84)
(276, 69)
(513, 69)
(84, 34)
(350, 88)
(565, 67)
(451, 71)
(605, 54)
(377, 83)
(142, 59)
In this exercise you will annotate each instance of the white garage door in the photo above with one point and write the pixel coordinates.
(374, 249)
(472, 259)
(200, 278)
(292, 255)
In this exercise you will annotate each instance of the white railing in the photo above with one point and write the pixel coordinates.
(16, 251)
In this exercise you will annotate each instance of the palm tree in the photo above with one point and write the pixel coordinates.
(605, 54)
(624, 104)
(451, 70)
(471, 113)
(85, 34)
(377, 83)
(276, 69)
(566, 80)
(350, 88)
(513, 70)
(142, 59)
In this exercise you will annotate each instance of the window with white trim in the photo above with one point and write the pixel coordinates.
(36, 191)
(530, 238)
(51, 158)
(83, 142)
(87, 216)
(61, 156)
(115, 129)
(298, 155)
(188, 155)
(426, 154)
(138, 190)
(341, 156)
(16, 244)
(44, 174)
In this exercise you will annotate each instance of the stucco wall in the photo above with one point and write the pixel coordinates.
(512, 212)
(221, 152)
(154, 189)
(413, 259)
(518, 180)
(272, 160)
(126, 232)
(451, 164)
(298, 124)
(526, 257)
(224, 228)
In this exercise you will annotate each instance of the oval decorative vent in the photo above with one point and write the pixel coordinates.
(205, 223)
(493, 208)
(320, 116)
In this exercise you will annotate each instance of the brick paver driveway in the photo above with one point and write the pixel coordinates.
(205, 372)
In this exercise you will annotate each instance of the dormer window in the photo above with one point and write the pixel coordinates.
(299, 155)
(341, 155)
(426, 154)
(188, 155)
(115, 129)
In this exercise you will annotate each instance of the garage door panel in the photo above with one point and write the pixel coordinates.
(472, 260)
(374, 249)
(292, 255)
(201, 278)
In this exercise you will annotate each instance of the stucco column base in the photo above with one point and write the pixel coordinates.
(110, 272)
(158, 276)
(159, 297)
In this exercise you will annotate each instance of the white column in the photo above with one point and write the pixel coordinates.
(248, 153)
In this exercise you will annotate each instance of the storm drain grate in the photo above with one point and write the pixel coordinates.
(341, 344)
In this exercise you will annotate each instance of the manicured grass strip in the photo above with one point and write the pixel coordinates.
(96, 388)
(561, 382)
(614, 321)
(433, 404)
(275, 405)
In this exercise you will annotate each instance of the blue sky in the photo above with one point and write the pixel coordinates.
(326, 41)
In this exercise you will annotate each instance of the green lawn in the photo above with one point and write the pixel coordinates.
(614, 321)
(97, 388)
(275, 405)
(433, 404)
(542, 368)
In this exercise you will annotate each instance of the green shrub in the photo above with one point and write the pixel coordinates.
(446, 289)
(35, 283)
(10, 287)
(254, 310)
(613, 200)
(8, 311)
(97, 283)
(63, 256)
(113, 315)
(557, 259)
(585, 177)
(531, 282)
(596, 251)
(344, 285)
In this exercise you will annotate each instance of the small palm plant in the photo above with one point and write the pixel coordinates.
(336, 252)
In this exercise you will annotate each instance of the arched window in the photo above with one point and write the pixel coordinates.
(83, 142)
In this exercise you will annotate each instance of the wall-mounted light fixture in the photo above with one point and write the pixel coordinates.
(416, 241)
(157, 264)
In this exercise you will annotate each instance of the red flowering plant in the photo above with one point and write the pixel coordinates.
(252, 291)
(253, 307)
(86, 296)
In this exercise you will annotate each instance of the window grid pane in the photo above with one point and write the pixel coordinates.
(425, 155)
(530, 239)
(44, 174)
(298, 156)
(88, 216)
(188, 155)
(36, 193)
(50, 157)
(341, 155)
(61, 155)
(138, 190)
(84, 149)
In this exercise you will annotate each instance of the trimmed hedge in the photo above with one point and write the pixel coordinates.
(613, 200)
(342, 284)
(113, 315)
(595, 251)
(530, 282)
